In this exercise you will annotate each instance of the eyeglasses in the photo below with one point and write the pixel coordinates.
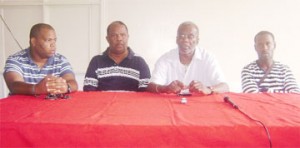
(188, 36)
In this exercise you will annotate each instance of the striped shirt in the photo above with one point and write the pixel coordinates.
(280, 79)
(22, 63)
(132, 74)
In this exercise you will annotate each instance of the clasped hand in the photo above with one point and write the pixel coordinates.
(194, 87)
(53, 85)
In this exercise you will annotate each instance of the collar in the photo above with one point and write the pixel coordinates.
(129, 56)
(198, 53)
(49, 61)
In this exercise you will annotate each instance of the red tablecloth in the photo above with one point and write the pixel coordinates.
(132, 119)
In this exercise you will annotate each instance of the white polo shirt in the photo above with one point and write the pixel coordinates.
(203, 68)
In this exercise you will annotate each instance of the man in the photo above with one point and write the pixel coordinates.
(265, 74)
(39, 69)
(187, 69)
(118, 68)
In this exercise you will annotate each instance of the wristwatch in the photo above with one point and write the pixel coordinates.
(211, 89)
(69, 88)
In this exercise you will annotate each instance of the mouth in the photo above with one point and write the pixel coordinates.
(185, 47)
(119, 46)
(52, 51)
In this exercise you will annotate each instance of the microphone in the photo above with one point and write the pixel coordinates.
(227, 100)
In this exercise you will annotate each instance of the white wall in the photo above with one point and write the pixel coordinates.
(226, 28)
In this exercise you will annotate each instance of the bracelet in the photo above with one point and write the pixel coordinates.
(68, 89)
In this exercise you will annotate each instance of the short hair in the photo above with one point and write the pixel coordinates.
(187, 23)
(35, 29)
(116, 22)
(263, 33)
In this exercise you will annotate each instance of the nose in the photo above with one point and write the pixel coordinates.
(265, 46)
(53, 44)
(119, 37)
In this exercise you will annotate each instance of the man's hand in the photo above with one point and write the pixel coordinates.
(52, 85)
(175, 87)
(198, 87)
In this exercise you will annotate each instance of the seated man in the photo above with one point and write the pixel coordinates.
(265, 74)
(187, 69)
(39, 69)
(118, 68)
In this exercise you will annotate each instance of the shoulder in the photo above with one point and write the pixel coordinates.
(203, 54)
(202, 51)
(20, 54)
(60, 58)
(18, 59)
(98, 57)
(170, 55)
(205, 57)
(281, 67)
(279, 64)
(251, 65)
(135, 56)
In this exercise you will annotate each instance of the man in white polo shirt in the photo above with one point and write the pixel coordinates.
(188, 68)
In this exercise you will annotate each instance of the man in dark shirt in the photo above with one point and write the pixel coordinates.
(118, 68)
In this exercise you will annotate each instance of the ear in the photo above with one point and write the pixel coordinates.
(33, 41)
(107, 39)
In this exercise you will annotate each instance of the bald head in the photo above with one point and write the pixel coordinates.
(116, 23)
(186, 24)
(36, 29)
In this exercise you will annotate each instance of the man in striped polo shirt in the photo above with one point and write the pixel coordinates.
(39, 69)
(265, 74)
(118, 68)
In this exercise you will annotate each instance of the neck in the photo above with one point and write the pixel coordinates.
(39, 61)
(118, 58)
(265, 64)
(186, 59)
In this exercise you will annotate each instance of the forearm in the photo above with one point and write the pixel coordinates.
(23, 88)
(156, 88)
(152, 88)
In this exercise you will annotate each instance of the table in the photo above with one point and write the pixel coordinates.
(142, 119)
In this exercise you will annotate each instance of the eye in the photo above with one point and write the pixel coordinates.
(51, 40)
(123, 35)
(189, 36)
